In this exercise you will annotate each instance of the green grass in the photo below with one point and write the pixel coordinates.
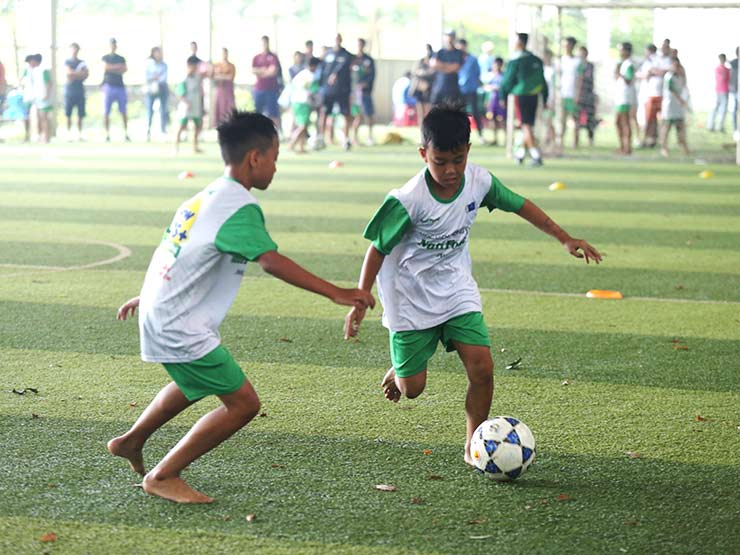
(307, 469)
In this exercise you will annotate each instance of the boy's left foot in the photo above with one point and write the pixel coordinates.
(174, 489)
(390, 389)
(467, 457)
(120, 447)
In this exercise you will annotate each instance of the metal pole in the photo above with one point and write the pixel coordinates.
(559, 78)
(53, 121)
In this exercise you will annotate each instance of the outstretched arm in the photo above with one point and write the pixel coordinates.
(285, 269)
(576, 247)
(370, 268)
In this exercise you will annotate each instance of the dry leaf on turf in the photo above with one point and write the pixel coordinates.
(385, 487)
(285, 340)
(700, 418)
(435, 477)
(263, 414)
(427, 451)
(563, 497)
(34, 415)
(633, 454)
(133, 404)
(276, 465)
(250, 517)
(565, 382)
(477, 521)
(514, 365)
(632, 523)
(681, 347)
(48, 537)
(226, 517)
(417, 501)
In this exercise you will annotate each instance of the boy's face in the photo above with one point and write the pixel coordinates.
(263, 165)
(192, 68)
(446, 167)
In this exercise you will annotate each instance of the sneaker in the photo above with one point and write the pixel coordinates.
(370, 142)
(347, 144)
(536, 163)
(520, 161)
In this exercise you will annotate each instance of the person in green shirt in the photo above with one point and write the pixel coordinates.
(525, 79)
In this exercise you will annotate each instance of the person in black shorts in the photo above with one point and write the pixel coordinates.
(446, 63)
(74, 90)
(336, 81)
(525, 79)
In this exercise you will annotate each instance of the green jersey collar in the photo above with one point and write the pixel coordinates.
(428, 179)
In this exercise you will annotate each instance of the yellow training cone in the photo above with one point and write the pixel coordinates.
(603, 294)
(558, 186)
(706, 174)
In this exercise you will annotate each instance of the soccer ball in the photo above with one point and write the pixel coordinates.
(502, 448)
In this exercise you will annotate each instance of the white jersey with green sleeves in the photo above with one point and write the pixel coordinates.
(624, 92)
(426, 277)
(196, 272)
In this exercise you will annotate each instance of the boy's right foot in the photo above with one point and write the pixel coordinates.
(173, 489)
(121, 447)
(390, 389)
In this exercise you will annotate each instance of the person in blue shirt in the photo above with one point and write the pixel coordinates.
(446, 63)
(468, 79)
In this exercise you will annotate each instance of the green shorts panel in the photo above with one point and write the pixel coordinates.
(624, 108)
(196, 121)
(411, 350)
(301, 113)
(569, 106)
(217, 373)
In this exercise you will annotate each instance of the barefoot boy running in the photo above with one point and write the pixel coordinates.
(419, 253)
(192, 280)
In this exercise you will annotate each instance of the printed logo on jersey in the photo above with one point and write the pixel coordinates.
(179, 231)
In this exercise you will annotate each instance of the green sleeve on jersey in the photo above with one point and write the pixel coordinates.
(388, 225)
(499, 196)
(629, 73)
(46, 76)
(672, 85)
(244, 234)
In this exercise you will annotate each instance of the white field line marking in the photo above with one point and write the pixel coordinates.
(123, 252)
(583, 296)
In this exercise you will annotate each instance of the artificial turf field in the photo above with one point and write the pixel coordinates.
(634, 403)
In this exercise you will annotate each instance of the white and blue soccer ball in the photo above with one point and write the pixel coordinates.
(502, 448)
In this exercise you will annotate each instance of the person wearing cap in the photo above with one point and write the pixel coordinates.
(114, 89)
(525, 79)
(446, 63)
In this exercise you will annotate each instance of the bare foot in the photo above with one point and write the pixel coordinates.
(173, 489)
(121, 447)
(390, 389)
(468, 459)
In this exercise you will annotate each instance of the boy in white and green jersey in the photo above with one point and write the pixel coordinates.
(419, 254)
(192, 280)
(625, 97)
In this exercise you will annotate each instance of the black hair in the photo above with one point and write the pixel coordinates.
(309, 43)
(446, 127)
(462, 41)
(193, 60)
(363, 42)
(74, 45)
(651, 48)
(244, 131)
(34, 57)
(498, 60)
(627, 46)
(314, 62)
(571, 40)
(523, 38)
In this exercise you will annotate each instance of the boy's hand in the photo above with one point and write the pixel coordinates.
(358, 298)
(581, 249)
(128, 309)
(352, 322)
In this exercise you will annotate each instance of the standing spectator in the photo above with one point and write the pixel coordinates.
(586, 97)
(308, 52)
(298, 64)
(3, 86)
(446, 63)
(624, 97)
(673, 108)
(194, 53)
(365, 67)
(722, 88)
(469, 80)
(486, 59)
(304, 86)
(266, 67)
(190, 106)
(525, 79)
(38, 82)
(336, 79)
(652, 71)
(569, 76)
(496, 110)
(74, 90)
(156, 89)
(114, 89)
(224, 73)
(548, 112)
(421, 84)
(733, 98)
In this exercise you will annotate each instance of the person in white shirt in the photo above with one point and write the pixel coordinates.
(192, 280)
(674, 108)
(419, 254)
(652, 71)
(569, 86)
